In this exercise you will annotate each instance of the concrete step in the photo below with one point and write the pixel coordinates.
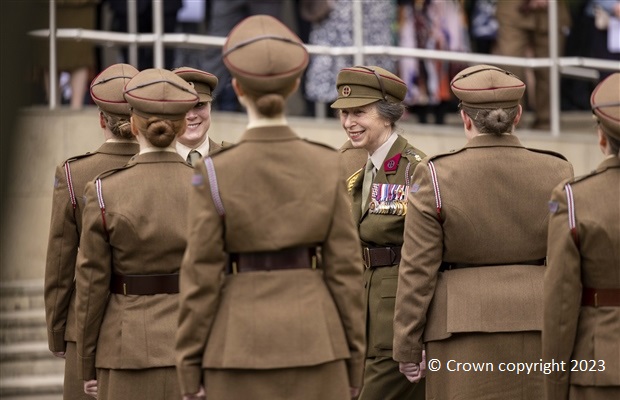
(21, 295)
(35, 397)
(35, 387)
(28, 359)
(23, 326)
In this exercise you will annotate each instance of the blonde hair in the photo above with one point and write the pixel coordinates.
(120, 127)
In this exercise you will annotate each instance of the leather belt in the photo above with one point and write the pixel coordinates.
(375, 257)
(447, 266)
(294, 258)
(592, 297)
(144, 284)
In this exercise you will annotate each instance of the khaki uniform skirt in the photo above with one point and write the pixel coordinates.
(481, 348)
(138, 384)
(325, 381)
(73, 387)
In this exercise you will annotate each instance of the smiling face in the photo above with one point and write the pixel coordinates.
(198, 122)
(365, 127)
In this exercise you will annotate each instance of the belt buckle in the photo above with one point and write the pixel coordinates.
(235, 269)
(367, 260)
(595, 299)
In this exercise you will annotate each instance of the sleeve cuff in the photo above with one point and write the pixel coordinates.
(86, 368)
(190, 378)
(413, 355)
(56, 341)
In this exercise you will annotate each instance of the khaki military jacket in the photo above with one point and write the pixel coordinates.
(142, 231)
(277, 192)
(490, 209)
(64, 237)
(572, 331)
(383, 226)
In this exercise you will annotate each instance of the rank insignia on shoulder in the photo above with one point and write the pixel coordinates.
(196, 180)
(414, 154)
(553, 207)
(388, 199)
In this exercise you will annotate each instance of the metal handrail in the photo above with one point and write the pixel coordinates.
(557, 65)
(185, 40)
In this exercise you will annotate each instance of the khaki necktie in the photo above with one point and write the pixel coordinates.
(369, 176)
(193, 157)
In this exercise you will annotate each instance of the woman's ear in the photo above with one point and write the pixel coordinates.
(518, 117)
(102, 122)
(237, 88)
(134, 128)
(466, 120)
(602, 141)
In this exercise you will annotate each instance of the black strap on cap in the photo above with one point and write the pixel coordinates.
(378, 78)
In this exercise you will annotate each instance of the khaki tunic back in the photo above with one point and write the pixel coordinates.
(278, 192)
(493, 211)
(64, 238)
(144, 233)
(62, 249)
(571, 331)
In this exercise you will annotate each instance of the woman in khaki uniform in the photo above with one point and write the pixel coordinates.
(470, 279)
(133, 238)
(259, 319)
(195, 142)
(67, 206)
(582, 281)
(370, 104)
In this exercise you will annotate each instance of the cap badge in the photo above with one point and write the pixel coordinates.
(346, 91)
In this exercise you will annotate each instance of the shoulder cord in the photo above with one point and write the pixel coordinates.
(572, 222)
(71, 196)
(70, 187)
(215, 192)
(431, 167)
(102, 206)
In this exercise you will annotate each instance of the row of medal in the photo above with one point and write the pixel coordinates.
(389, 199)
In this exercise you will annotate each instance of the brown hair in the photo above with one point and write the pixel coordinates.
(270, 104)
(159, 132)
(495, 121)
(120, 127)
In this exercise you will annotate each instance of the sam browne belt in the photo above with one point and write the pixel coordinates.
(144, 284)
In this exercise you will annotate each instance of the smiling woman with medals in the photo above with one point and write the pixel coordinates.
(370, 104)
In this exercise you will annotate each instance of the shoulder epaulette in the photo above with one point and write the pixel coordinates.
(225, 147)
(448, 153)
(78, 157)
(585, 176)
(319, 144)
(549, 152)
(412, 155)
(109, 172)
